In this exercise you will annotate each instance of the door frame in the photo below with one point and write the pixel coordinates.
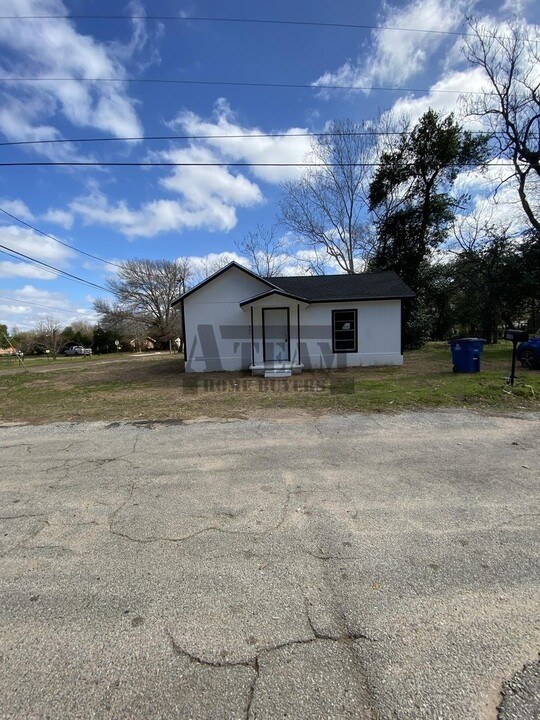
(288, 332)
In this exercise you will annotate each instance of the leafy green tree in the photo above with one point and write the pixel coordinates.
(4, 336)
(437, 295)
(24, 340)
(524, 271)
(411, 195)
(104, 340)
(80, 333)
(488, 292)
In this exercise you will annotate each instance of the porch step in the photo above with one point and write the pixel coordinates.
(279, 373)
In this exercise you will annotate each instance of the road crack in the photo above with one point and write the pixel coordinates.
(252, 688)
(179, 650)
(159, 538)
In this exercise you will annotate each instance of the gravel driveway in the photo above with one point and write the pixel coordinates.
(340, 567)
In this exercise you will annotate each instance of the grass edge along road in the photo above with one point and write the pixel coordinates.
(154, 387)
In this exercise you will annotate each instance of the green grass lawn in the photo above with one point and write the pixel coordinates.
(154, 387)
(31, 361)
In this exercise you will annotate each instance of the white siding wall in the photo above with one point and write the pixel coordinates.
(218, 331)
(379, 335)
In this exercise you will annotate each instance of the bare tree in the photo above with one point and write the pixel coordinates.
(144, 291)
(48, 335)
(510, 58)
(327, 209)
(311, 262)
(203, 267)
(475, 230)
(265, 251)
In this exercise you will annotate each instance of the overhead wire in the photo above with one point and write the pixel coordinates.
(142, 163)
(253, 21)
(50, 268)
(39, 305)
(242, 83)
(60, 242)
(217, 136)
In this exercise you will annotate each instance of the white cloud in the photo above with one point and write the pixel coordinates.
(247, 147)
(18, 118)
(202, 187)
(21, 210)
(141, 37)
(16, 207)
(13, 309)
(487, 178)
(204, 265)
(209, 195)
(30, 293)
(298, 262)
(59, 217)
(515, 7)
(494, 198)
(27, 108)
(444, 97)
(213, 209)
(9, 269)
(30, 243)
(208, 192)
(23, 313)
(395, 56)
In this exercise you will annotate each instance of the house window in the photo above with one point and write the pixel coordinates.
(344, 329)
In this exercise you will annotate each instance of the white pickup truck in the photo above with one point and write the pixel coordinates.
(78, 350)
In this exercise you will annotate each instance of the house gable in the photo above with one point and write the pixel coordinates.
(216, 329)
(232, 265)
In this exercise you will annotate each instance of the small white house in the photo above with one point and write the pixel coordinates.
(237, 320)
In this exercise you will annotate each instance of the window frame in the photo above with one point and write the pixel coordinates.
(334, 313)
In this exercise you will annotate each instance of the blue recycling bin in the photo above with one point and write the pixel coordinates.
(466, 354)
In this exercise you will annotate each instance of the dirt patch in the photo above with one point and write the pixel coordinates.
(148, 424)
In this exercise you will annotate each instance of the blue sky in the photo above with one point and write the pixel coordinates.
(121, 213)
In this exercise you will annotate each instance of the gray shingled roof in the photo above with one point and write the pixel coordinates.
(325, 288)
(366, 286)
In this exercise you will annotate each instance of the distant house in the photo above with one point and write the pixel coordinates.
(139, 345)
(237, 320)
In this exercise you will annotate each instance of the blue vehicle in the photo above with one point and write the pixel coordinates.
(528, 353)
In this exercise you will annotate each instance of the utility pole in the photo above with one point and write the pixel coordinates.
(19, 358)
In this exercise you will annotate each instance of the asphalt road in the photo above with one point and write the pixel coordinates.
(342, 567)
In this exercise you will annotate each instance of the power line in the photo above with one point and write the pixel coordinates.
(60, 242)
(252, 21)
(250, 136)
(45, 307)
(239, 83)
(51, 268)
(13, 254)
(38, 163)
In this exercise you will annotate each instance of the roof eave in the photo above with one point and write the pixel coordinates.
(365, 298)
(268, 293)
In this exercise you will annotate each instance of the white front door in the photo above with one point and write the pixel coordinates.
(276, 334)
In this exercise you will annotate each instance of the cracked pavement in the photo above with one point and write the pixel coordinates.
(355, 566)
